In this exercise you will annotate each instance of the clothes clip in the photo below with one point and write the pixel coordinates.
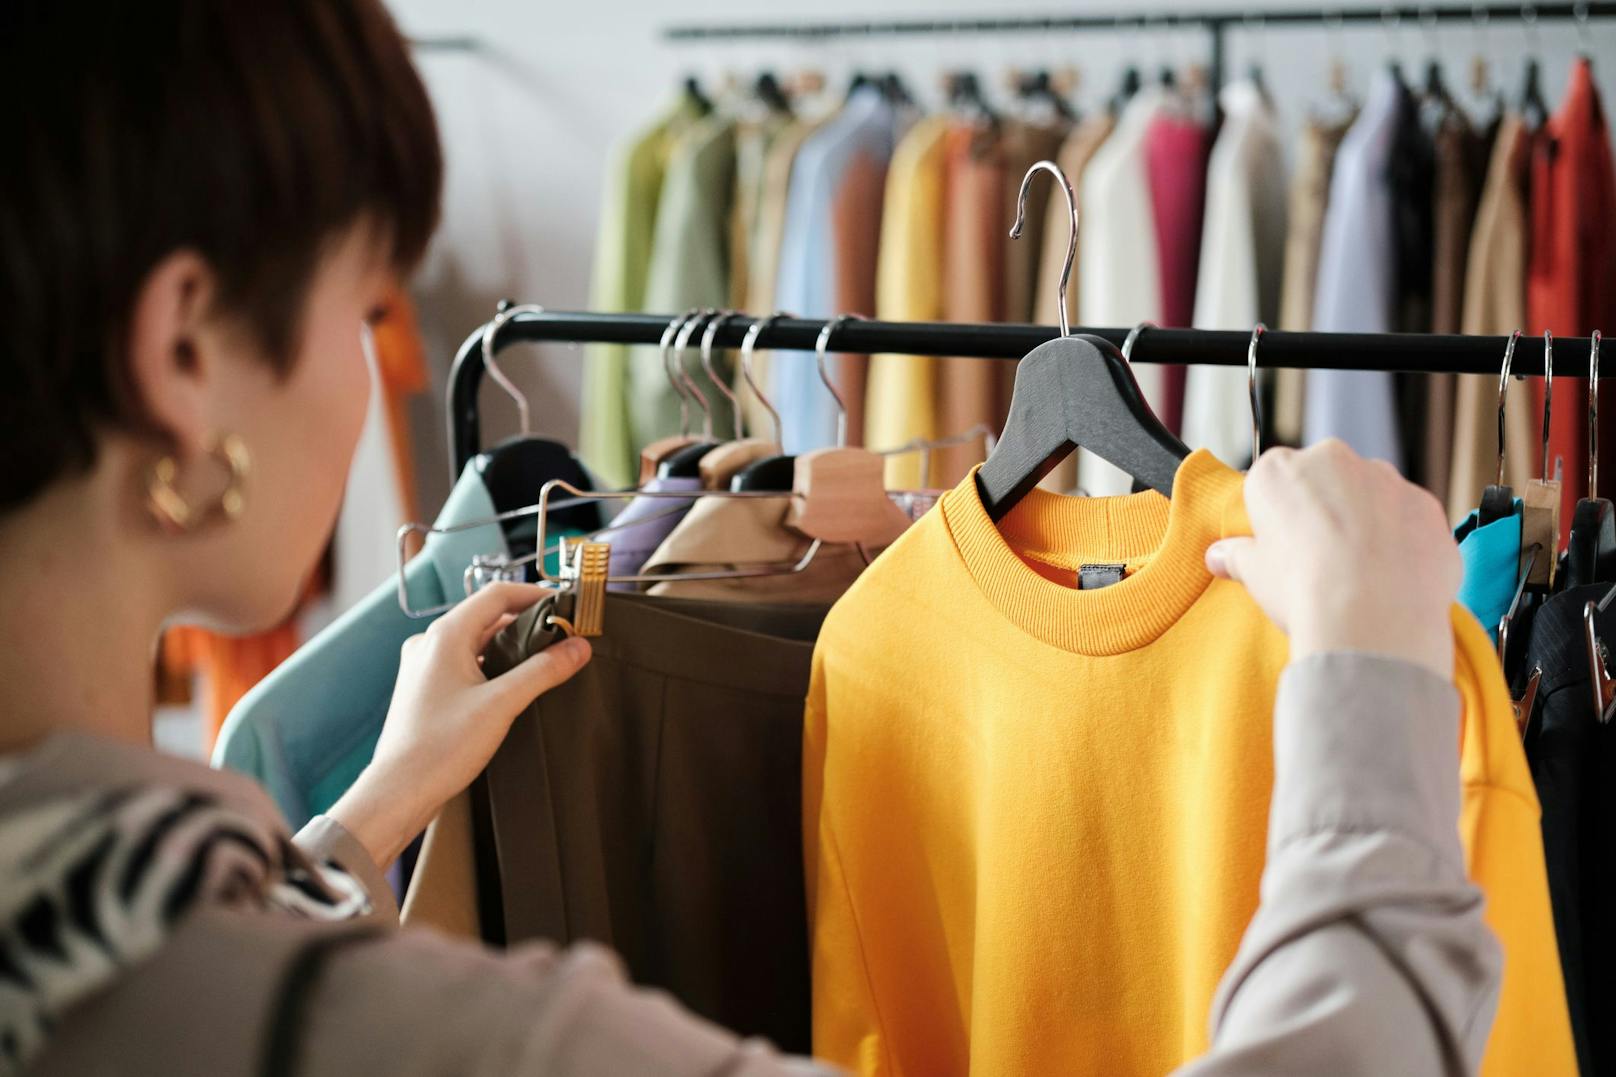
(584, 566)
(1599, 678)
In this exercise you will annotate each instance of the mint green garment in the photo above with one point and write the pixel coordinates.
(308, 729)
(628, 216)
(689, 268)
(1492, 557)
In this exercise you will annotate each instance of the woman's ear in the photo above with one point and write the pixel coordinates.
(174, 346)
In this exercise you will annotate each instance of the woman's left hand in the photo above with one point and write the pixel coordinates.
(447, 719)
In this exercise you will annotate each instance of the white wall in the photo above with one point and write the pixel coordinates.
(529, 122)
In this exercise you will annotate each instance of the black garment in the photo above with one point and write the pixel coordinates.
(1410, 180)
(1573, 760)
(654, 803)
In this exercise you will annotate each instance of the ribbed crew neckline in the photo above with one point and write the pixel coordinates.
(1169, 536)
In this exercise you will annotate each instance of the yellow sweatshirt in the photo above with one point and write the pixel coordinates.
(1034, 816)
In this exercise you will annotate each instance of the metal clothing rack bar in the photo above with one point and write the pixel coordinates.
(1391, 352)
(1216, 24)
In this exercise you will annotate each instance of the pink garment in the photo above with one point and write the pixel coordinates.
(1176, 152)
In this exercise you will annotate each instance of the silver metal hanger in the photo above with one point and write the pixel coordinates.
(1548, 395)
(490, 331)
(1133, 338)
(821, 345)
(747, 345)
(665, 349)
(681, 341)
(1251, 388)
(707, 339)
(1071, 237)
(1503, 396)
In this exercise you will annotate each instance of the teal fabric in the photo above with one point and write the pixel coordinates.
(1491, 556)
(310, 727)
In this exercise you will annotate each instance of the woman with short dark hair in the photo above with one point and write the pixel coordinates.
(203, 203)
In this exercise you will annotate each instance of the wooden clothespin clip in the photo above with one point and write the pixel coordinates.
(584, 565)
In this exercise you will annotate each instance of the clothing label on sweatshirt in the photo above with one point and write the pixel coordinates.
(1094, 577)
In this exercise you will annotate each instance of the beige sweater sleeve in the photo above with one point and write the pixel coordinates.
(1367, 955)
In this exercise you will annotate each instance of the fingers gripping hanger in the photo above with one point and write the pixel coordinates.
(1071, 391)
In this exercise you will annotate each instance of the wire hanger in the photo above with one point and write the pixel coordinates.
(1498, 500)
(772, 473)
(652, 455)
(514, 468)
(840, 494)
(1251, 387)
(685, 462)
(720, 465)
(1591, 547)
(1071, 391)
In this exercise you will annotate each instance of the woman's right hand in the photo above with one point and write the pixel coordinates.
(447, 719)
(1346, 555)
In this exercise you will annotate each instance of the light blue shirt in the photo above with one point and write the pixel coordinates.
(1491, 556)
(308, 729)
(1357, 273)
(807, 284)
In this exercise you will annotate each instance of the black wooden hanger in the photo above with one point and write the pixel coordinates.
(1071, 391)
(515, 469)
(1591, 549)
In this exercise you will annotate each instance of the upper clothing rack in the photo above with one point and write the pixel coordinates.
(1391, 352)
(1216, 24)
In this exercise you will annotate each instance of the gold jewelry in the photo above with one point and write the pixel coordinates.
(169, 507)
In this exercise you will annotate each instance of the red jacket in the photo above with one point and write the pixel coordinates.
(1571, 275)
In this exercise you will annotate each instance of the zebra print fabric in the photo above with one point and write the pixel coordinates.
(90, 885)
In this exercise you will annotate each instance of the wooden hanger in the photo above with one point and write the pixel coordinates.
(1071, 391)
(840, 494)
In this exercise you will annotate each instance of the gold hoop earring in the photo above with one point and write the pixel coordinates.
(176, 515)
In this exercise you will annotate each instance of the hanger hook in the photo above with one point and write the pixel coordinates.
(1133, 338)
(680, 343)
(747, 345)
(506, 312)
(1257, 333)
(1503, 389)
(712, 375)
(1593, 413)
(820, 347)
(1071, 236)
(1548, 395)
(666, 345)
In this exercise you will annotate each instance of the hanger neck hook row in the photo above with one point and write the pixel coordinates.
(821, 346)
(757, 329)
(680, 343)
(1133, 338)
(1593, 413)
(490, 332)
(1257, 333)
(1503, 393)
(668, 336)
(707, 339)
(1548, 395)
(1071, 236)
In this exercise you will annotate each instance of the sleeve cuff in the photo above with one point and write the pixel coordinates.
(325, 839)
(1366, 742)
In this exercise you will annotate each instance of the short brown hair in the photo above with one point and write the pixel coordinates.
(252, 133)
